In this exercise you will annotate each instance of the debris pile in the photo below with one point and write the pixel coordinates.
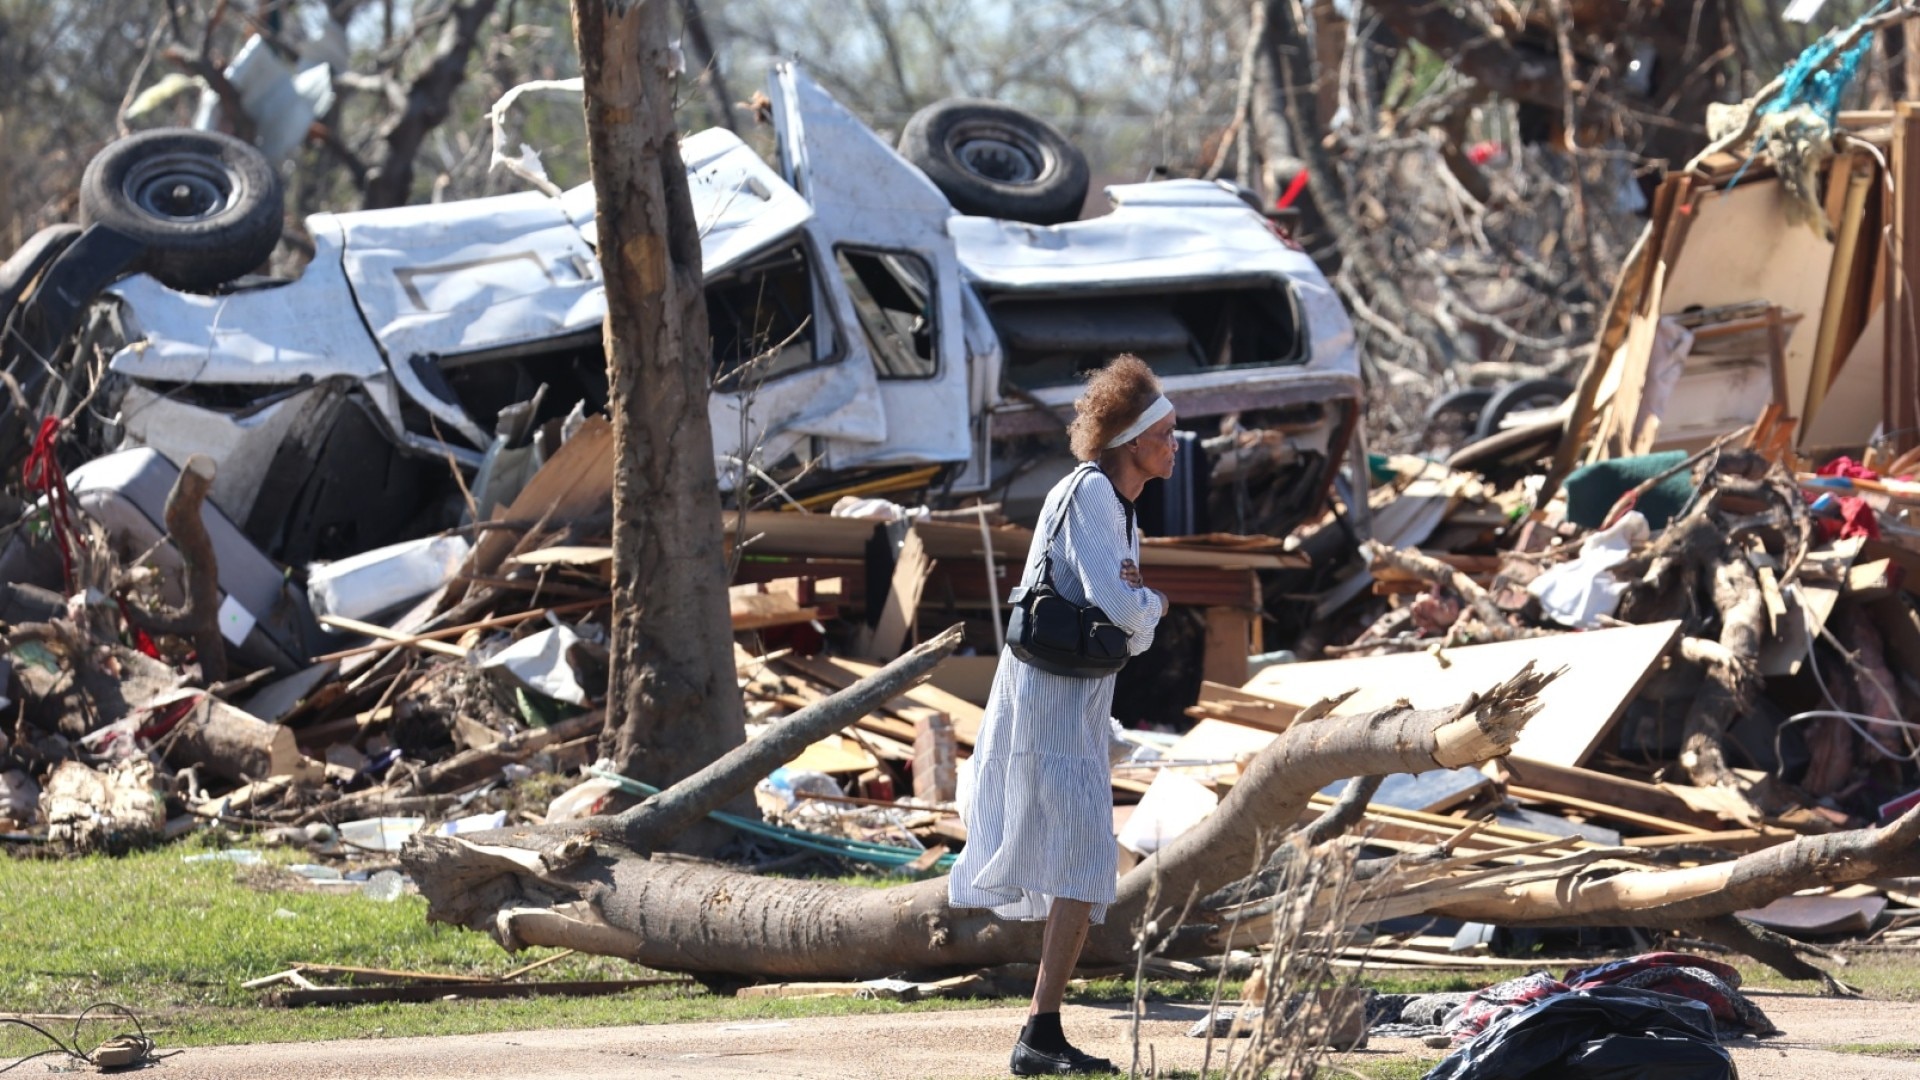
(1647, 655)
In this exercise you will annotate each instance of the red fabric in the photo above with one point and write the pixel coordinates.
(1855, 519)
(1848, 468)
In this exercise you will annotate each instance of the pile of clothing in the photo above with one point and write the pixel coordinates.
(1659, 1015)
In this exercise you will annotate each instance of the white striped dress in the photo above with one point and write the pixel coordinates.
(1040, 822)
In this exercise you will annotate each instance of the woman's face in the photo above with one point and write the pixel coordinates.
(1154, 449)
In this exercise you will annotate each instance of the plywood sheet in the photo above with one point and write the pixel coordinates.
(1605, 668)
(1850, 411)
(1739, 247)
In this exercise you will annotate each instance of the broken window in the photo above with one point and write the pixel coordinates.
(762, 318)
(893, 297)
(1054, 341)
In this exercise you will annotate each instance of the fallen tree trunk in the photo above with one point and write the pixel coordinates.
(677, 916)
(682, 916)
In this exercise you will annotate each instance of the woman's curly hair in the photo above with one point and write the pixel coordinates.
(1116, 395)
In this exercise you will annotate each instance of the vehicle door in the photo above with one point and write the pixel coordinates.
(880, 228)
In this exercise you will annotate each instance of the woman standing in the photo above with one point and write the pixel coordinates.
(1040, 823)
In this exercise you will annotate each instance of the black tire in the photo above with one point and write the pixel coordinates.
(993, 160)
(1453, 420)
(1519, 397)
(206, 206)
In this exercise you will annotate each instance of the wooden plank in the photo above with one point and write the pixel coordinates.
(1614, 791)
(967, 677)
(361, 995)
(576, 482)
(1851, 409)
(1900, 400)
(565, 555)
(840, 673)
(1846, 306)
(1724, 839)
(1601, 810)
(1233, 704)
(910, 572)
(1225, 657)
(374, 630)
(1875, 580)
(1605, 669)
(1783, 653)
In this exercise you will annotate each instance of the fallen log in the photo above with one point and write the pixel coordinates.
(235, 745)
(679, 916)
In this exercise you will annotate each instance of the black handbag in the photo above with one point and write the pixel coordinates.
(1055, 634)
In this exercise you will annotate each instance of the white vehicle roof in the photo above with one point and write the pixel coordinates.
(1160, 232)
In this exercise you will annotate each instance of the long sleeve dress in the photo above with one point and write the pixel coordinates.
(1040, 822)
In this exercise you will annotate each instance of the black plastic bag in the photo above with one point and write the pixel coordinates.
(1606, 1033)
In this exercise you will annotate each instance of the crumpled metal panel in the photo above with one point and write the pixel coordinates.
(742, 205)
(306, 330)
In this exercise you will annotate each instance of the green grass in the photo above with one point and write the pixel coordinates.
(1903, 1050)
(174, 941)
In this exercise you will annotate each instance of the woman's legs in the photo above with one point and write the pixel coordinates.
(1060, 948)
(1043, 1048)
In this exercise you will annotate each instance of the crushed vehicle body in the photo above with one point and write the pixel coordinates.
(862, 328)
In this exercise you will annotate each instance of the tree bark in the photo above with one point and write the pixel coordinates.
(672, 703)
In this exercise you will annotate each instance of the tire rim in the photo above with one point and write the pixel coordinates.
(1000, 154)
(181, 187)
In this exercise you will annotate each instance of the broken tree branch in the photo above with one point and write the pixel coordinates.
(198, 620)
(659, 819)
(1408, 561)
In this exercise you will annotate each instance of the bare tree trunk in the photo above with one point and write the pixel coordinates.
(700, 36)
(429, 101)
(672, 703)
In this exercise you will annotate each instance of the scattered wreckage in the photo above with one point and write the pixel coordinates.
(1587, 707)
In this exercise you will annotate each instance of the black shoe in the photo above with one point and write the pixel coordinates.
(1030, 1062)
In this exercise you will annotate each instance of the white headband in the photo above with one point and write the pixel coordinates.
(1153, 414)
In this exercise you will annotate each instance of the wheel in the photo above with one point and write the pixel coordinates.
(1453, 420)
(993, 160)
(1520, 397)
(206, 206)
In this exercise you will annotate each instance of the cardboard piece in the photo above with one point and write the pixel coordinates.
(1605, 669)
(1803, 915)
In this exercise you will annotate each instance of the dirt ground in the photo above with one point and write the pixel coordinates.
(969, 1045)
